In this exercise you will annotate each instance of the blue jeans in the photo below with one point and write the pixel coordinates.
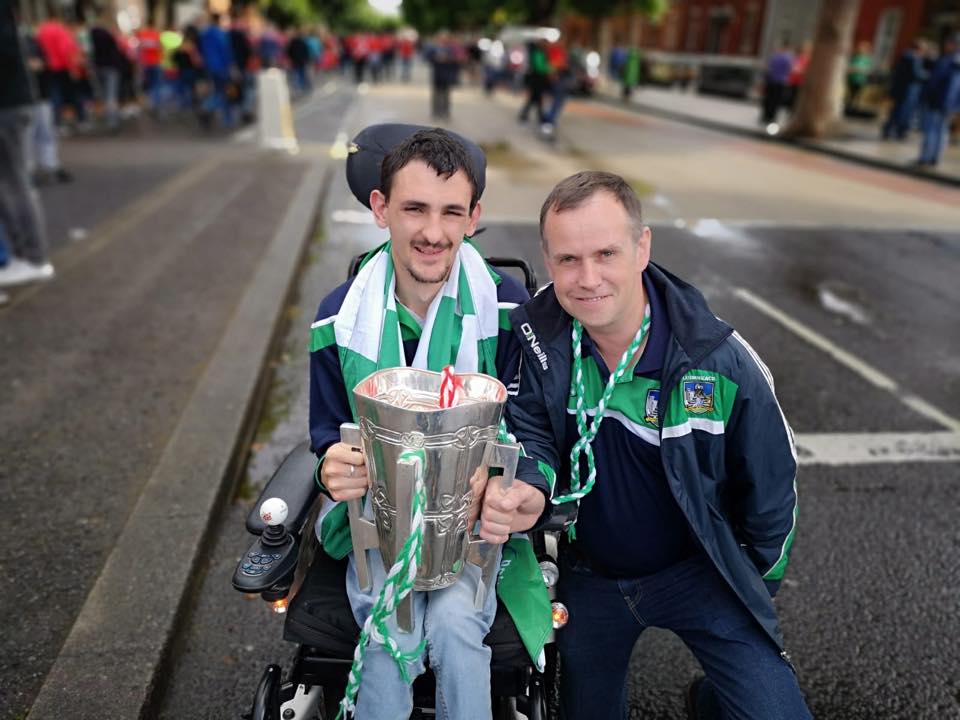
(454, 631)
(934, 130)
(747, 676)
(153, 85)
(898, 124)
(4, 253)
(218, 100)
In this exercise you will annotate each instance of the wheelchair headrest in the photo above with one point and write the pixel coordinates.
(373, 144)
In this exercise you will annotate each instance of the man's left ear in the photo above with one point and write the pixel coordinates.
(474, 219)
(643, 247)
(378, 204)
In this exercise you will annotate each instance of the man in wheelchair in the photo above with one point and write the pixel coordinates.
(397, 311)
(426, 299)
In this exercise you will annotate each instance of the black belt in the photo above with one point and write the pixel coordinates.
(572, 552)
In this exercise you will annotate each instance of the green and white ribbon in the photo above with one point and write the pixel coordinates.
(396, 587)
(584, 444)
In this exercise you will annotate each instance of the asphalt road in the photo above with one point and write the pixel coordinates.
(858, 327)
(98, 365)
(868, 607)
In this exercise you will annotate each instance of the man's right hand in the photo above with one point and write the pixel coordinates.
(344, 472)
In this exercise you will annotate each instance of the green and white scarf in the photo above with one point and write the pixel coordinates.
(460, 328)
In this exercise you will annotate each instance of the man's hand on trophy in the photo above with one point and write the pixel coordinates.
(344, 472)
(508, 511)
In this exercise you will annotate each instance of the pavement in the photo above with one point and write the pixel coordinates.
(842, 278)
(131, 381)
(857, 139)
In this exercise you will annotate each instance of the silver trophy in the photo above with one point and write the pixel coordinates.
(398, 411)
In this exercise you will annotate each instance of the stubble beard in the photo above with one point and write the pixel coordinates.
(439, 277)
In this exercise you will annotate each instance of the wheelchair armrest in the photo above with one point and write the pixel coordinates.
(561, 517)
(293, 483)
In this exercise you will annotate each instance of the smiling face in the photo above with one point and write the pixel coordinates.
(595, 260)
(428, 216)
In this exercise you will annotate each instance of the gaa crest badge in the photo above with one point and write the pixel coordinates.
(698, 396)
(652, 406)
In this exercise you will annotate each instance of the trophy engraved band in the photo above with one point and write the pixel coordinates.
(398, 412)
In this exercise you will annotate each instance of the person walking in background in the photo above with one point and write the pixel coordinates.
(537, 79)
(359, 45)
(940, 98)
(242, 48)
(798, 71)
(269, 48)
(43, 148)
(20, 212)
(218, 63)
(150, 61)
(445, 73)
(779, 67)
(187, 64)
(858, 73)
(631, 73)
(405, 49)
(561, 80)
(62, 59)
(170, 40)
(298, 52)
(108, 66)
(906, 82)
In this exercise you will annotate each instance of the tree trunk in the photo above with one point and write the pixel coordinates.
(604, 41)
(636, 28)
(820, 102)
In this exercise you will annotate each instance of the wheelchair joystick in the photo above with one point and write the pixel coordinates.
(268, 565)
(273, 512)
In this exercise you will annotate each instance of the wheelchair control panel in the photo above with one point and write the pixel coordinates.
(272, 556)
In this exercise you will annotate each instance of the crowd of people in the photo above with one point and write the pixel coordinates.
(94, 71)
(923, 90)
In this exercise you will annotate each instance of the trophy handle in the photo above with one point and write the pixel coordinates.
(497, 455)
(409, 470)
(363, 533)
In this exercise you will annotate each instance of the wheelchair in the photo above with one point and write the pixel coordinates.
(294, 575)
(286, 566)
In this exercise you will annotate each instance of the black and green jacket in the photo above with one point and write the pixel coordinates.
(726, 447)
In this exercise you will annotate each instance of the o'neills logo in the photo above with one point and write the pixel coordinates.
(534, 344)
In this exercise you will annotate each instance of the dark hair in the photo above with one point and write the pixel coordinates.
(439, 150)
(572, 192)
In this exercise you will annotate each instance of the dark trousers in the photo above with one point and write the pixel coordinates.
(746, 675)
(901, 114)
(20, 211)
(440, 101)
(772, 100)
(64, 91)
(537, 87)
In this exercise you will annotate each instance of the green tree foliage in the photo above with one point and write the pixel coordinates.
(339, 15)
(605, 8)
(429, 16)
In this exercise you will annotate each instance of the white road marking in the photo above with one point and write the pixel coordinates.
(871, 448)
(354, 217)
(867, 372)
(311, 106)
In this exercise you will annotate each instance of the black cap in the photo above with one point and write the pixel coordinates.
(373, 144)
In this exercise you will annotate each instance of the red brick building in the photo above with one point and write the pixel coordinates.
(744, 32)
